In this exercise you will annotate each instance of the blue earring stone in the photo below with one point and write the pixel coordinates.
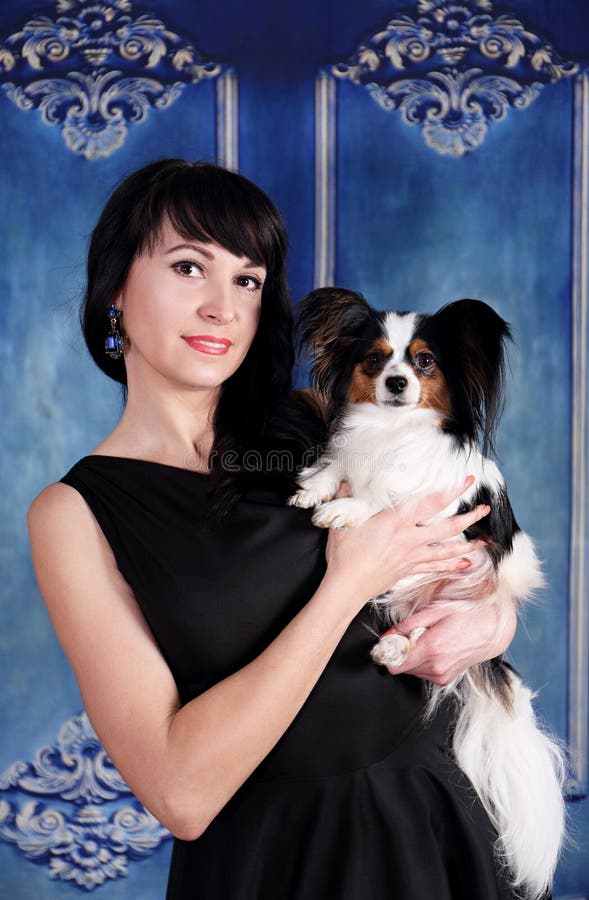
(114, 342)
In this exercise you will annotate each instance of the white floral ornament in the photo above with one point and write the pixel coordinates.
(102, 69)
(79, 839)
(454, 69)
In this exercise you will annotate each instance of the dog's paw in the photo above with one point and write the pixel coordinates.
(306, 498)
(393, 649)
(317, 485)
(347, 512)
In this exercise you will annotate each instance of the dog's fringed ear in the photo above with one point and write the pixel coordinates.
(471, 339)
(329, 321)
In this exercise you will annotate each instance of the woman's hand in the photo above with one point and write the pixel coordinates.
(455, 639)
(368, 560)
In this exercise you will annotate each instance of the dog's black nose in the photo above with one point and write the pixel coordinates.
(396, 384)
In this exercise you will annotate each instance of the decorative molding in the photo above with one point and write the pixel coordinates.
(88, 835)
(97, 68)
(227, 121)
(325, 209)
(454, 69)
(466, 69)
(578, 713)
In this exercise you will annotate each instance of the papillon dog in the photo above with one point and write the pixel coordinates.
(413, 402)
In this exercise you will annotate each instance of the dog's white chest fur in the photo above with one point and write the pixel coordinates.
(389, 457)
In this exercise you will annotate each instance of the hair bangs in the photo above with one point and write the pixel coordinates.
(204, 203)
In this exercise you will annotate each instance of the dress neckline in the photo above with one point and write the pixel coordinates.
(145, 462)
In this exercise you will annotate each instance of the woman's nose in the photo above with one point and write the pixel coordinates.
(218, 306)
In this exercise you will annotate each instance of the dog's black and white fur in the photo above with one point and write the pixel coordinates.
(410, 398)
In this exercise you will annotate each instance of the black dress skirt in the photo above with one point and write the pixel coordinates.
(359, 800)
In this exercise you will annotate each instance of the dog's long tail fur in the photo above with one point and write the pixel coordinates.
(518, 772)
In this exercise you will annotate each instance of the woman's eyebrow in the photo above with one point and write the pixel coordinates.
(197, 248)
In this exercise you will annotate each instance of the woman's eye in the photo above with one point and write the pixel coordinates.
(249, 282)
(188, 268)
(424, 360)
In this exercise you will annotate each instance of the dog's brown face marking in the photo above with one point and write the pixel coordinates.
(363, 381)
(434, 392)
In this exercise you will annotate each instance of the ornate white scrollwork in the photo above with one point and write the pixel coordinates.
(86, 836)
(454, 69)
(102, 69)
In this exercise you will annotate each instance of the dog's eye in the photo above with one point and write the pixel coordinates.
(373, 363)
(425, 361)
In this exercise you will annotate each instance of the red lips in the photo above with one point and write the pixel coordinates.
(206, 343)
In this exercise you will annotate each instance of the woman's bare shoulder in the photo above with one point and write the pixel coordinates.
(60, 520)
(54, 500)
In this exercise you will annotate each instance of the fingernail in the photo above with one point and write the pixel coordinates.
(486, 507)
(463, 564)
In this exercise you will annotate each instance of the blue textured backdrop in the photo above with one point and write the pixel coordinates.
(412, 229)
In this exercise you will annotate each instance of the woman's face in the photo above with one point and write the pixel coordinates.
(190, 311)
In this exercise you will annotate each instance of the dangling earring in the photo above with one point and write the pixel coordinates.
(114, 342)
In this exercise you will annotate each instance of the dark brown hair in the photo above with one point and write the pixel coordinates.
(203, 201)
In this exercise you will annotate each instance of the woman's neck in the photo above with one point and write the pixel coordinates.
(173, 426)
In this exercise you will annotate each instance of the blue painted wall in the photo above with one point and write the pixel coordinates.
(413, 229)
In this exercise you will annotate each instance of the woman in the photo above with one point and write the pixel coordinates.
(219, 640)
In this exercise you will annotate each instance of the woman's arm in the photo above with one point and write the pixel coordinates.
(184, 763)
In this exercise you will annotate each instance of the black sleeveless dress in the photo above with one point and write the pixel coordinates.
(358, 800)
